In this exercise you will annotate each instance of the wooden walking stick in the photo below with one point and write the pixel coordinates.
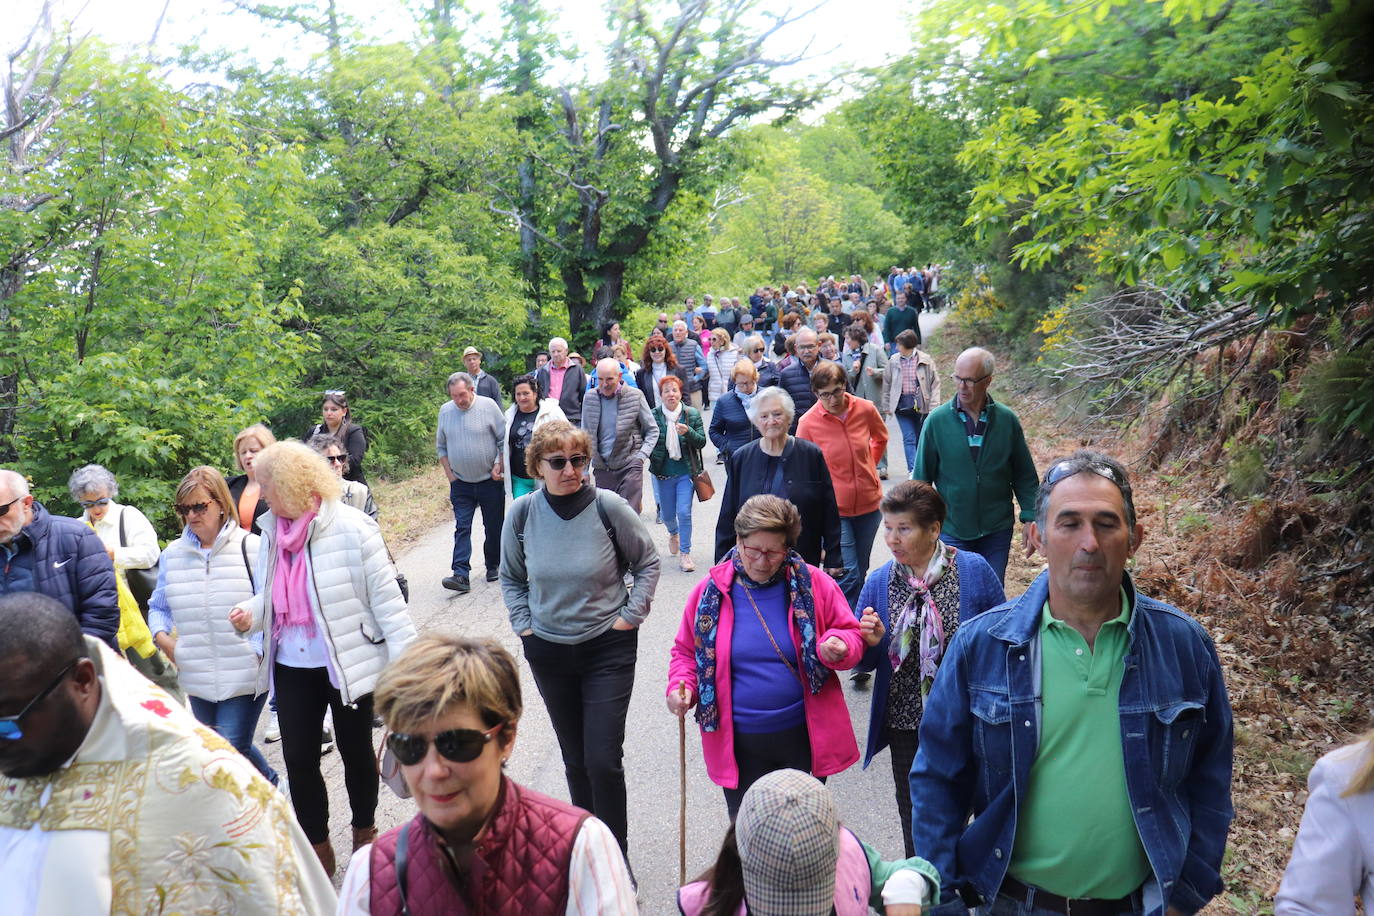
(682, 789)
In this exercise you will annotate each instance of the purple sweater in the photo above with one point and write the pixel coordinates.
(768, 697)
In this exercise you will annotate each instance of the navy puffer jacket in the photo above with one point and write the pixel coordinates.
(70, 564)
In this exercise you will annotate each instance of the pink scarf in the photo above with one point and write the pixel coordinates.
(290, 596)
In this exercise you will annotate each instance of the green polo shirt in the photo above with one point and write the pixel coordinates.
(1075, 834)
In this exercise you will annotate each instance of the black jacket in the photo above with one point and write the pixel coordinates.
(489, 387)
(644, 378)
(805, 482)
(574, 390)
(236, 488)
(355, 443)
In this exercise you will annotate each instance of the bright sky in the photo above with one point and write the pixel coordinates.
(839, 32)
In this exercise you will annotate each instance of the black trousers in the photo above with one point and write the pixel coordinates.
(902, 744)
(302, 696)
(759, 753)
(586, 688)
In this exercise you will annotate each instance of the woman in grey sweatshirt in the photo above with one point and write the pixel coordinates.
(565, 549)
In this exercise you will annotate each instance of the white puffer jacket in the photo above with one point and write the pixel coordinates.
(214, 662)
(353, 593)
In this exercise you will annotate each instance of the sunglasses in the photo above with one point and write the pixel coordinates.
(558, 462)
(657, 350)
(5, 509)
(1069, 468)
(92, 503)
(461, 745)
(336, 459)
(192, 509)
(9, 725)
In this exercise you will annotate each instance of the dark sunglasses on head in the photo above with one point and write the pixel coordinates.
(9, 725)
(558, 462)
(461, 745)
(192, 509)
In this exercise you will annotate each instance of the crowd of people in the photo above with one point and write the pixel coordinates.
(1067, 750)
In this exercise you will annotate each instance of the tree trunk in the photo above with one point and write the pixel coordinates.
(10, 281)
(588, 314)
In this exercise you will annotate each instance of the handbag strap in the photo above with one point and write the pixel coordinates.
(122, 541)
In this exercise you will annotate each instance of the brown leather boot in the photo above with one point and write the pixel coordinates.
(362, 836)
(325, 852)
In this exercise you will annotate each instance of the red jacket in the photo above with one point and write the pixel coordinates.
(852, 447)
(521, 865)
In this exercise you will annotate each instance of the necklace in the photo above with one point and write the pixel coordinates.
(749, 593)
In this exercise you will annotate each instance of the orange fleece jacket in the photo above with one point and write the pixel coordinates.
(852, 447)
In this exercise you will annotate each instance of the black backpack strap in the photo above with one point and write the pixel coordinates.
(610, 532)
(402, 864)
(122, 541)
(243, 548)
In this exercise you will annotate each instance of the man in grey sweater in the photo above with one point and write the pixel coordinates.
(468, 443)
(623, 432)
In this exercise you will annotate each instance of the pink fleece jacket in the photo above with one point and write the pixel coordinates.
(833, 748)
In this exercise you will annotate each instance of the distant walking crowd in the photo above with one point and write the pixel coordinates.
(1067, 750)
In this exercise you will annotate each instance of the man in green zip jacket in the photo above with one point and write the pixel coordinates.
(973, 451)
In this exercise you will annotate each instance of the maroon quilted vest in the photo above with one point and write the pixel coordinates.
(520, 865)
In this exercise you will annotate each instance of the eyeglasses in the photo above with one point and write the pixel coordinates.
(831, 394)
(9, 725)
(758, 555)
(756, 349)
(192, 509)
(91, 503)
(960, 380)
(461, 745)
(559, 462)
(5, 509)
(336, 459)
(1070, 467)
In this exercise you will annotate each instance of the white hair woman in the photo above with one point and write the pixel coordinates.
(785, 466)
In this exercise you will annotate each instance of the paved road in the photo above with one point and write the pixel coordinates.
(865, 797)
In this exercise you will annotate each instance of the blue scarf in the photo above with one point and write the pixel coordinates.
(708, 626)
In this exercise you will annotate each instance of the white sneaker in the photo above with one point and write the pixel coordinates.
(273, 733)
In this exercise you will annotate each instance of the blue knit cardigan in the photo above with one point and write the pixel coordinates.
(979, 590)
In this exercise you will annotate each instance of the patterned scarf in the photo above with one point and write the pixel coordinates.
(708, 625)
(918, 621)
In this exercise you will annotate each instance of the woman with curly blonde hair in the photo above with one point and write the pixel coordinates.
(332, 616)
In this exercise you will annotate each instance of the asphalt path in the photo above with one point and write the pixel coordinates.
(652, 748)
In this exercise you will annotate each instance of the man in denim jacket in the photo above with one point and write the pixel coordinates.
(1085, 728)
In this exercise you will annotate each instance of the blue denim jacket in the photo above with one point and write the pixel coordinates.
(981, 729)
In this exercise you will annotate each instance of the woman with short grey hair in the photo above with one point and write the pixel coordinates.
(132, 544)
(785, 466)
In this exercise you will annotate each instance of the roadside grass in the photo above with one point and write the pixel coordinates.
(410, 504)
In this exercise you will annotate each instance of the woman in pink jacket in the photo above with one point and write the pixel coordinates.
(761, 639)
